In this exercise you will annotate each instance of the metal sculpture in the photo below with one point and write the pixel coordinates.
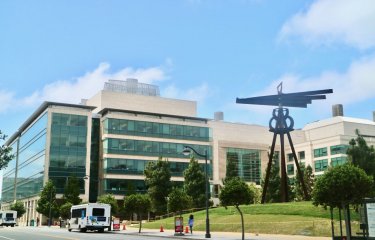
(282, 123)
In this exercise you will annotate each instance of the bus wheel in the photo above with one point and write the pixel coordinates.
(101, 230)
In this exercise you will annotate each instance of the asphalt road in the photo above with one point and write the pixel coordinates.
(45, 233)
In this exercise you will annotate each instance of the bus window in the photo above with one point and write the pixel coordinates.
(98, 212)
(78, 213)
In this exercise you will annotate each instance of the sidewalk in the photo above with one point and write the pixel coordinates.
(214, 235)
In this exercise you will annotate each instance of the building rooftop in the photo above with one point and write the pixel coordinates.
(37, 113)
(335, 120)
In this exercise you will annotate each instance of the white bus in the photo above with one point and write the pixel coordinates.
(90, 216)
(8, 218)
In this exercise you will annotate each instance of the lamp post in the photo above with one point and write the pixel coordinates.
(187, 151)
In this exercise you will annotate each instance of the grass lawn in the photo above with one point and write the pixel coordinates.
(297, 218)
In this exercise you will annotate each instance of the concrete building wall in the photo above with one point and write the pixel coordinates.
(233, 135)
(152, 104)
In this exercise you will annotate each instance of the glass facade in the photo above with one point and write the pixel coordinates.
(157, 130)
(31, 158)
(128, 186)
(68, 149)
(94, 161)
(321, 165)
(124, 186)
(247, 162)
(150, 148)
(338, 161)
(9, 176)
(137, 167)
(320, 152)
(339, 149)
(157, 148)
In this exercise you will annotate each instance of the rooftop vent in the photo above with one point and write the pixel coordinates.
(337, 110)
(218, 116)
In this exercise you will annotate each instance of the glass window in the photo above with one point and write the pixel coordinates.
(290, 157)
(130, 126)
(123, 126)
(245, 163)
(321, 165)
(339, 149)
(338, 161)
(166, 129)
(152, 129)
(301, 155)
(320, 152)
(290, 169)
(98, 212)
(151, 148)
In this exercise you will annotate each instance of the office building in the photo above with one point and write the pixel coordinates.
(106, 142)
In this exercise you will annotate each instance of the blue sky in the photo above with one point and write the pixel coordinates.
(210, 51)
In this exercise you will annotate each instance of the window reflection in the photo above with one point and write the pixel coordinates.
(162, 130)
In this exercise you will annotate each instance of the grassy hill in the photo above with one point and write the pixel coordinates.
(297, 218)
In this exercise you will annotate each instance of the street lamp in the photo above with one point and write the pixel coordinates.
(187, 151)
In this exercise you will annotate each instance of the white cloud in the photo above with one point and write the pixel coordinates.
(354, 85)
(5, 100)
(72, 91)
(89, 84)
(198, 94)
(330, 21)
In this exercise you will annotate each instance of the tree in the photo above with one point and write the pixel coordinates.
(341, 186)
(273, 193)
(47, 202)
(257, 193)
(195, 183)
(5, 153)
(232, 166)
(158, 181)
(65, 210)
(361, 155)
(179, 200)
(71, 191)
(235, 193)
(273, 190)
(308, 178)
(139, 204)
(111, 200)
(19, 207)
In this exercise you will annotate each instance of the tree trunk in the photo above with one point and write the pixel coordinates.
(140, 223)
(242, 223)
(332, 225)
(347, 222)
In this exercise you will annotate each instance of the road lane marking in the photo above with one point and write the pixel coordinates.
(54, 236)
(7, 238)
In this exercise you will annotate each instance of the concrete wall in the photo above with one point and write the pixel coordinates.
(133, 102)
